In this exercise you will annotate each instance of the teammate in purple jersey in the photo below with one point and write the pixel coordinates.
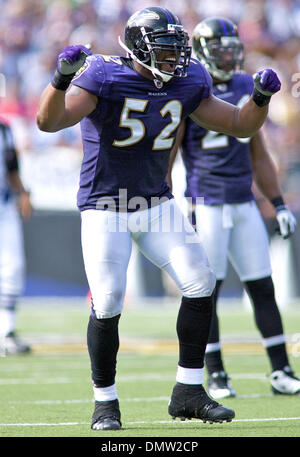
(219, 168)
(130, 109)
(222, 173)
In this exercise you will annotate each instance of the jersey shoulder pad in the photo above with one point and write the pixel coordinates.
(199, 73)
(114, 60)
(91, 75)
(194, 61)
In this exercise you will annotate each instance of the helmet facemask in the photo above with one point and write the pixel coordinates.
(222, 56)
(159, 48)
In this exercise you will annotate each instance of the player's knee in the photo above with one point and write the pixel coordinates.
(208, 283)
(261, 290)
(108, 304)
(104, 323)
(13, 279)
(202, 285)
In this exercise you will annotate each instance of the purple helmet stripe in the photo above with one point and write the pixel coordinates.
(224, 27)
(169, 16)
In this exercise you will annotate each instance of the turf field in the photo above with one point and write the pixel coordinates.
(48, 393)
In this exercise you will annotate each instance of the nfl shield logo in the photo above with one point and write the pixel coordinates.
(158, 83)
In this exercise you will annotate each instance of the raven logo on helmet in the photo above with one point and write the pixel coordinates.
(146, 14)
(151, 31)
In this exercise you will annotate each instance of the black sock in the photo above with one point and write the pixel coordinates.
(278, 356)
(193, 323)
(214, 362)
(268, 319)
(213, 359)
(103, 345)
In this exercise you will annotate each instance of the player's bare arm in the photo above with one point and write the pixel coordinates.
(220, 116)
(266, 178)
(59, 109)
(174, 150)
(24, 202)
(264, 170)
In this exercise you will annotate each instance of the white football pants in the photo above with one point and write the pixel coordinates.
(237, 232)
(12, 262)
(161, 233)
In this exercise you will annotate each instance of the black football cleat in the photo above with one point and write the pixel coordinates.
(191, 401)
(106, 416)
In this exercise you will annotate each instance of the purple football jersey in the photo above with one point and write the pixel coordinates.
(219, 166)
(128, 137)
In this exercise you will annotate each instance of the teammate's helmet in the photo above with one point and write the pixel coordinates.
(217, 46)
(151, 31)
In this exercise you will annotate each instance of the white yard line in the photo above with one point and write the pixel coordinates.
(14, 381)
(121, 378)
(44, 424)
(60, 402)
(134, 400)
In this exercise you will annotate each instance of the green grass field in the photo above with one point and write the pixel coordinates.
(48, 393)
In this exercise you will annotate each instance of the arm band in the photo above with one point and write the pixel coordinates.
(259, 98)
(61, 82)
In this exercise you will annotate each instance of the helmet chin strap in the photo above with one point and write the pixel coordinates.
(158, 75)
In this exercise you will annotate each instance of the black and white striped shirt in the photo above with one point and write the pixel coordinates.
(8, 158)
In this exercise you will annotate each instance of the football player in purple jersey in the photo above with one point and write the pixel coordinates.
(130, 109)
(220, 168)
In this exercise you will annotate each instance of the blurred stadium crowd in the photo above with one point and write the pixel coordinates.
(33, 32)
